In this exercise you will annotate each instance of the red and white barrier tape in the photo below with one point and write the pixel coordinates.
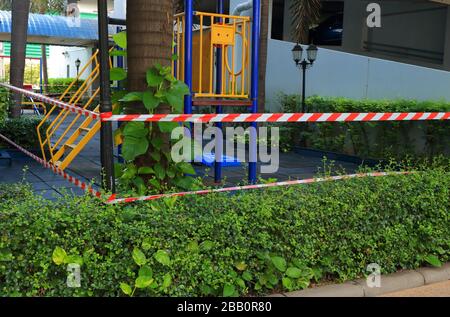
(54, 102)
(55, 169)
(114, 200)
(281, 117)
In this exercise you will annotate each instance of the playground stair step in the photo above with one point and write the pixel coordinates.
(71, 146)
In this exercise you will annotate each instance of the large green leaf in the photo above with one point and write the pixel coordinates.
(186, 168)
(229, 290)
(145, 270)
(59, 256)
(150, 101)
(133, 147)
(184, 182)
(117, 73)
(180, 88)
(167, 127)
(135, 129)
(293, 272)
(159, 171)
(167, 281)
(287, 283)
(121, 39)
(132, 96)
(73, 259)
(433, 260)
(143, 282)
(154, 79)
(145, 170)
(175, 101)
(126, 289)
(162, 257)
(279, 263)
(139, 257)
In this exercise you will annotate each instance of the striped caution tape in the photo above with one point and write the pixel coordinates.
(114, 200)
(281, 117)
(52, 101)
(56, 170)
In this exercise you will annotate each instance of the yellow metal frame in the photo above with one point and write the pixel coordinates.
(207, 36)
(37, 104)
(84, 132)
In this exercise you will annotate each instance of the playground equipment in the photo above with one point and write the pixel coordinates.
(218, 64)
(61, 144)
(32, 104)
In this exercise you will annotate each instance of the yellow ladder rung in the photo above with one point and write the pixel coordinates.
(71, 146)
(85, 129)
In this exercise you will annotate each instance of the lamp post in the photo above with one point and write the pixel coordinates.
(304, 64)
(77, 65)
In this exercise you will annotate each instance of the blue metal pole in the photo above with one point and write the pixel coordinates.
(120, 64)
(218, 164)
(254, 88)
(189, 13)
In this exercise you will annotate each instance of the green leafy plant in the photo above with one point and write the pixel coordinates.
(379, 140)
(23, 131)
(249, 243)
(5, 102)
(145, 278)
(149, 166)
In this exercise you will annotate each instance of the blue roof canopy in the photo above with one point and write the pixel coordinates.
(54, 30)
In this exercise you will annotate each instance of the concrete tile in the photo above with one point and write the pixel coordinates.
(40, 186)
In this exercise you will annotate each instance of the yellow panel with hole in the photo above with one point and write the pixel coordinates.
(223, 34)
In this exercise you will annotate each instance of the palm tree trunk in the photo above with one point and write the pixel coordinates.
(44, 69)
(149, 32)
(264, 40)
(18, 49)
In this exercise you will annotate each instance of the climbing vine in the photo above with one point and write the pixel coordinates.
(148, 166)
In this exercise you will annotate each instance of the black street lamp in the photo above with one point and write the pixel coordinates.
(304, 64)
(77, 65)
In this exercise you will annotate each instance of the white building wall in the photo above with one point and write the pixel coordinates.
(338, 74)
(61, 56)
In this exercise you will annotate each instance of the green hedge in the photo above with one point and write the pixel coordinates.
(59, 85)
(255, 242)
(23, 131)
(368, 140)
(5, 102)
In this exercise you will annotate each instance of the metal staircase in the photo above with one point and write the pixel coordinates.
(66, 135)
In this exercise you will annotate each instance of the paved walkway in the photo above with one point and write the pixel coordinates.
(86, 167)
(434, 290)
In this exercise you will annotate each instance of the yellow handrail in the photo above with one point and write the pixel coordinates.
(56, 123)
(47, 116)
(93, 76)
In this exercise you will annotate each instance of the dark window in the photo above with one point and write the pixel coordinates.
(277, 19)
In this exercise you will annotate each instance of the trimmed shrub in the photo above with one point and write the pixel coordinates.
(22, 131)
(59, 85)
(5, 102)
(255, 242)
(368, 139)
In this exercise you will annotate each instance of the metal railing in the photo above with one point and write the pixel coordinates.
(214, 31)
